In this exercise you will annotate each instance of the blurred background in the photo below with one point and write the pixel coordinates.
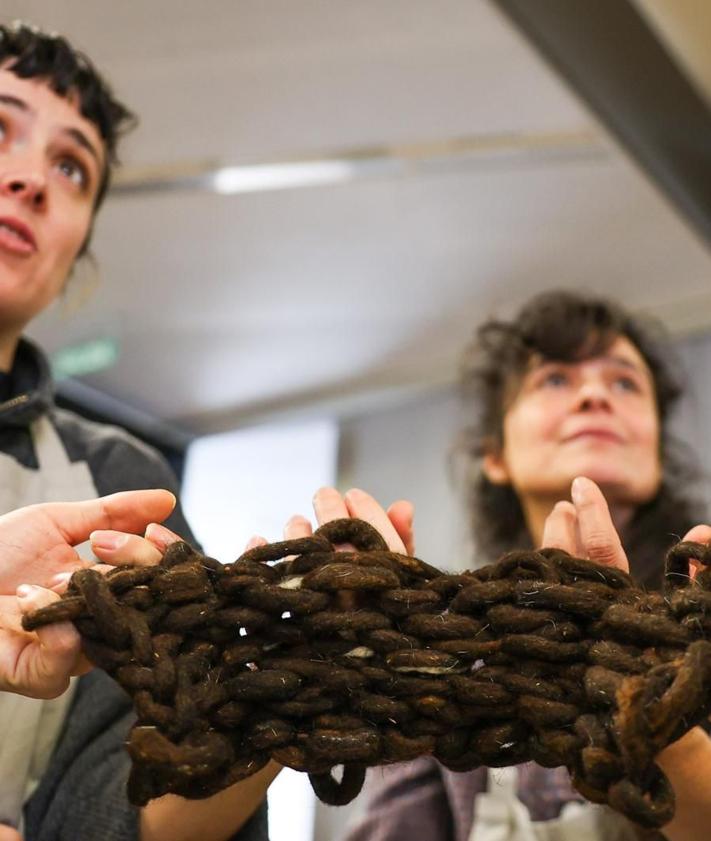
(325, 197)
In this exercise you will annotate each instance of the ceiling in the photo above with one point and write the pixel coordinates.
(231, 309)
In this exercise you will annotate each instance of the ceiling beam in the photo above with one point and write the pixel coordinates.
(614, 61)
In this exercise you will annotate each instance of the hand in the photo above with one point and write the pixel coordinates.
(395, 524)
(37, 542)
(37, 664)
(584, 528)
(8, 833)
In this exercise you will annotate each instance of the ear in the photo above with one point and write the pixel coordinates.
(495, 469)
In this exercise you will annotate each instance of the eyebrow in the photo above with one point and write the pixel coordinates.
(621, 361)
(82, 140)
(75, 134)
(14, 102)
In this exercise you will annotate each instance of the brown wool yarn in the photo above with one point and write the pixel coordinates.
(317, 658)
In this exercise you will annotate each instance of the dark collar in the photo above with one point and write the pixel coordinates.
(31, 390)
(5, 386)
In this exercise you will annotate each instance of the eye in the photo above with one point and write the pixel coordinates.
(554, 379)
(74, 171)
(624, 383)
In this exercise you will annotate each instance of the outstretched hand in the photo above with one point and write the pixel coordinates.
(37, 548)
(584, 528)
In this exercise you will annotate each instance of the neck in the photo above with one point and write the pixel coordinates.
(8, 347)
(537, 509)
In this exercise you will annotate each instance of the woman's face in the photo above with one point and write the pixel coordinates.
(51, 161)
(596, 418)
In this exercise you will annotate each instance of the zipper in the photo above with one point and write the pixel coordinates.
(14, 402)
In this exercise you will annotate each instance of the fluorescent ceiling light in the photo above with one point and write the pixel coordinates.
(344, 165)
(250, 179)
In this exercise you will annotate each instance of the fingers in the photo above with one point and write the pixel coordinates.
(43, 669)
(329, 505)
(129, 511)
(115, 547)
(160, 536)
(8, 833)
(598, 536)
(699, 534)
(402, 514)
(255, 541)
(297, 527)
(560, 529)
(362, 505)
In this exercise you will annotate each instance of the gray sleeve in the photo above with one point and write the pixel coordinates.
(408, 801)
(120, 462)
(82, 795)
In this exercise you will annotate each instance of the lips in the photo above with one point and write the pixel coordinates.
(596, 434)
(16, 237)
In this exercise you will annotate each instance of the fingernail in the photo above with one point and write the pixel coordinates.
(579, 490)
(159, 535)
(323, 491)
(61, 578)
(24, 591)
(107, 540)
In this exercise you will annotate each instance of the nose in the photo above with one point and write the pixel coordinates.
(28, 186)
(593, 394)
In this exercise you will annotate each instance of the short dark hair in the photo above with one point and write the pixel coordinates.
(567, 326)
(30, 53)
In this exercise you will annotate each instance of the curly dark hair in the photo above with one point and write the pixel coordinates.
(566, 326)
(30, 53)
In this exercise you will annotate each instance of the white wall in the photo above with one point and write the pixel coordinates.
(404, 452)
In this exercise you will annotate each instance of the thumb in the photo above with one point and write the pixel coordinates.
(44, 668)
(128, 511)
(598, 535)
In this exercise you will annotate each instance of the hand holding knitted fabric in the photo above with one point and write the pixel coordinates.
(37, 545)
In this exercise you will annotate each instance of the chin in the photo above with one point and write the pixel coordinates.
(624, 490)
(617, 484)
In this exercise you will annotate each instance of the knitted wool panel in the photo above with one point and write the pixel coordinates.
(316, 658)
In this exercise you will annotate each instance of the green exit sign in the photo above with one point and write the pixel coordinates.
(85, 358)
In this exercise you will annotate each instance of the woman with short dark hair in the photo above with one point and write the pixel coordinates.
(63, 763)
